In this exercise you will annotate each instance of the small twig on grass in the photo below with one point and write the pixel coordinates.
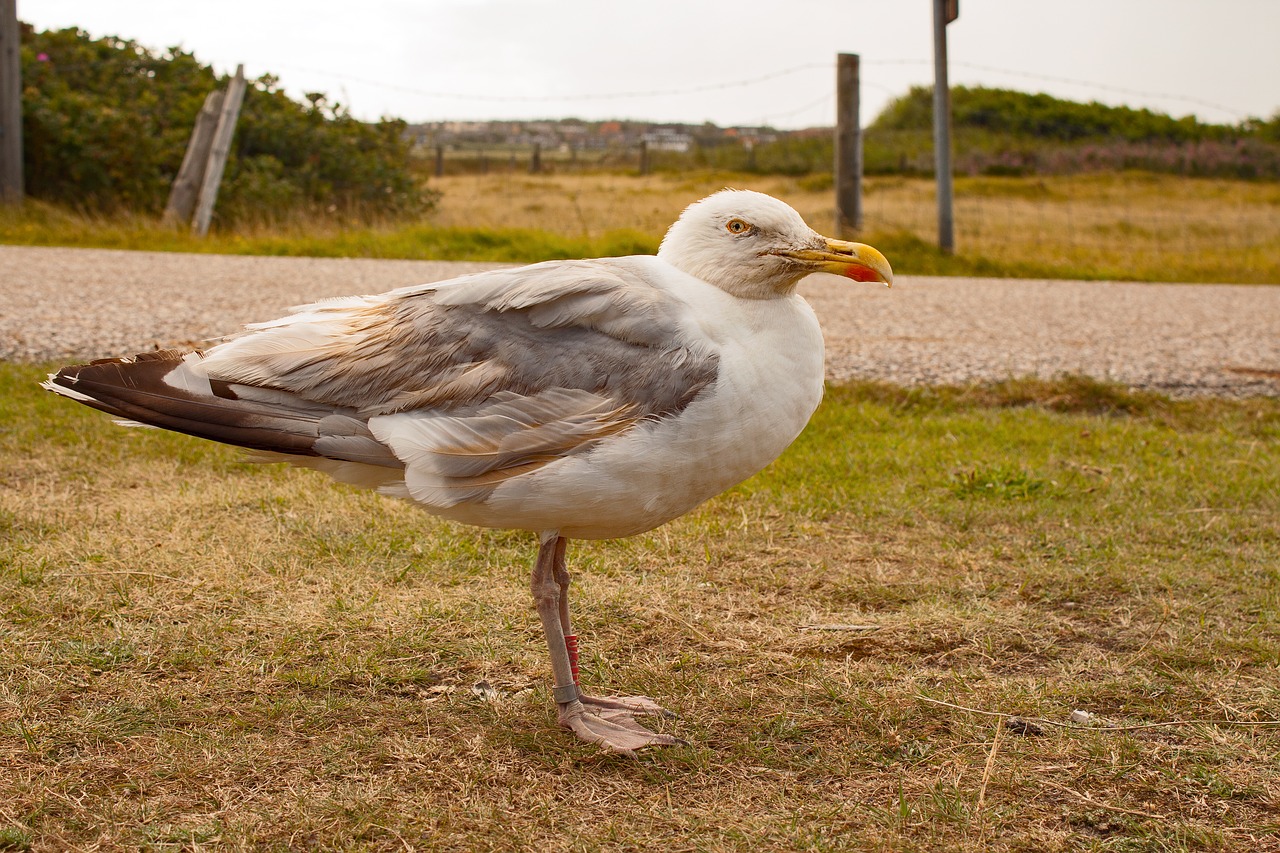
(986, 771)
(1088, 728)
(1107, 806)
(835, 627)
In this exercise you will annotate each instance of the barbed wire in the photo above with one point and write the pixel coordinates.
(1104, 87)
(763, 78)
(592, 96)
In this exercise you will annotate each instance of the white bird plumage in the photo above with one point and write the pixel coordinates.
(576, 399)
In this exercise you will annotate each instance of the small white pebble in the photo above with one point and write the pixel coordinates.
(1081, 717)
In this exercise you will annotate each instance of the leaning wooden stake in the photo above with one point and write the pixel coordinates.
(218, 153)
(186, 187)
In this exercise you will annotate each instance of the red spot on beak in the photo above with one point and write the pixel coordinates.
(857, 272)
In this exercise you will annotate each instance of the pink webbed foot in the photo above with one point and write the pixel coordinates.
(613, 728)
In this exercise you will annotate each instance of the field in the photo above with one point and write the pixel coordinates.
(1128, 226)
(876, 644)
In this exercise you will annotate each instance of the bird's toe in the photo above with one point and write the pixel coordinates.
(617, 732)
(608, 706)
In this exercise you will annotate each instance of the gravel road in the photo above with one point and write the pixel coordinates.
(1181, 339)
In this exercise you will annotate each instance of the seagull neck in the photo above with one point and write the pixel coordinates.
(736, 281)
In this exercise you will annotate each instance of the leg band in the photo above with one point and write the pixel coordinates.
(571, 644)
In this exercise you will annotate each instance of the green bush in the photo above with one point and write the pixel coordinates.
(1045, 117)
(1003, 132)
(106, 123)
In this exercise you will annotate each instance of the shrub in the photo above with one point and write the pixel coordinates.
(106, 123)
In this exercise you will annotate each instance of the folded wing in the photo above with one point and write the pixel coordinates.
(444, 391)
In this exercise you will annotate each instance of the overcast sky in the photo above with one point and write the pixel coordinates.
(731, 62)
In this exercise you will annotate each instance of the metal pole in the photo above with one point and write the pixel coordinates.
(848, 166)
(11, 189)
(942, 129)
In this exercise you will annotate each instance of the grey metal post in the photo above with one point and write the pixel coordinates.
(942, 128)
(848, 143)
(11, 189)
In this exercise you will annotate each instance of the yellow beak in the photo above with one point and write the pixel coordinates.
(857, 261)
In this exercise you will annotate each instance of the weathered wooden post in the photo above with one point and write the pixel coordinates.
(11, 188)
(219, 151)
(439, 161)
(535, 161)
(848, 144)
(644, 156)
(944, 12)
(186, 187)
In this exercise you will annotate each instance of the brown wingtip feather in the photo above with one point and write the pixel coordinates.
(134, 388)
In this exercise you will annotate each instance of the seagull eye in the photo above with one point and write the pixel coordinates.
(737, 226)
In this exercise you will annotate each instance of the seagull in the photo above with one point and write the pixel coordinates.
(576, 399)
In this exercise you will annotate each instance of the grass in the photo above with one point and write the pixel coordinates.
(200, 653)
(1107, 226)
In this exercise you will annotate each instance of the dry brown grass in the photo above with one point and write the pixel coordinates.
(196, 653)
(1152, 227)
(1127, 226)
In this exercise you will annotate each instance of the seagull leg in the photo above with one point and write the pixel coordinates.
(619, 734)
(609, 707)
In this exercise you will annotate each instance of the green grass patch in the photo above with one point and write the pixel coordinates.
(45, 225)
(199, 651)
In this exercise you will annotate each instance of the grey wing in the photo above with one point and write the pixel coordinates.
(482, 379)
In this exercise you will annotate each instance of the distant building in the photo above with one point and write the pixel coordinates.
(668, 139)
(577, 135)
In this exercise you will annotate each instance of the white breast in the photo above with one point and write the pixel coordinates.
(769, 383)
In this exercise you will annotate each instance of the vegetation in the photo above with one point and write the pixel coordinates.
(106, 123)
(999, 131)
(1046, 117)
(198, 652)
(1004, 132)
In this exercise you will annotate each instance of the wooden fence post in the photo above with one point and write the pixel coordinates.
(186, 187)
(11, 189)
(644, 157)
(535, 161)
(848, 143)
(218, 153)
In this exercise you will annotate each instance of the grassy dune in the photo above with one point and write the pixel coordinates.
(197, 653)
(1127, 226)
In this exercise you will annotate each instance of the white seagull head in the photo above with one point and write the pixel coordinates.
(756, 247)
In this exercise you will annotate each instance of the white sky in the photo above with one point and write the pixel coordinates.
(480, 59)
